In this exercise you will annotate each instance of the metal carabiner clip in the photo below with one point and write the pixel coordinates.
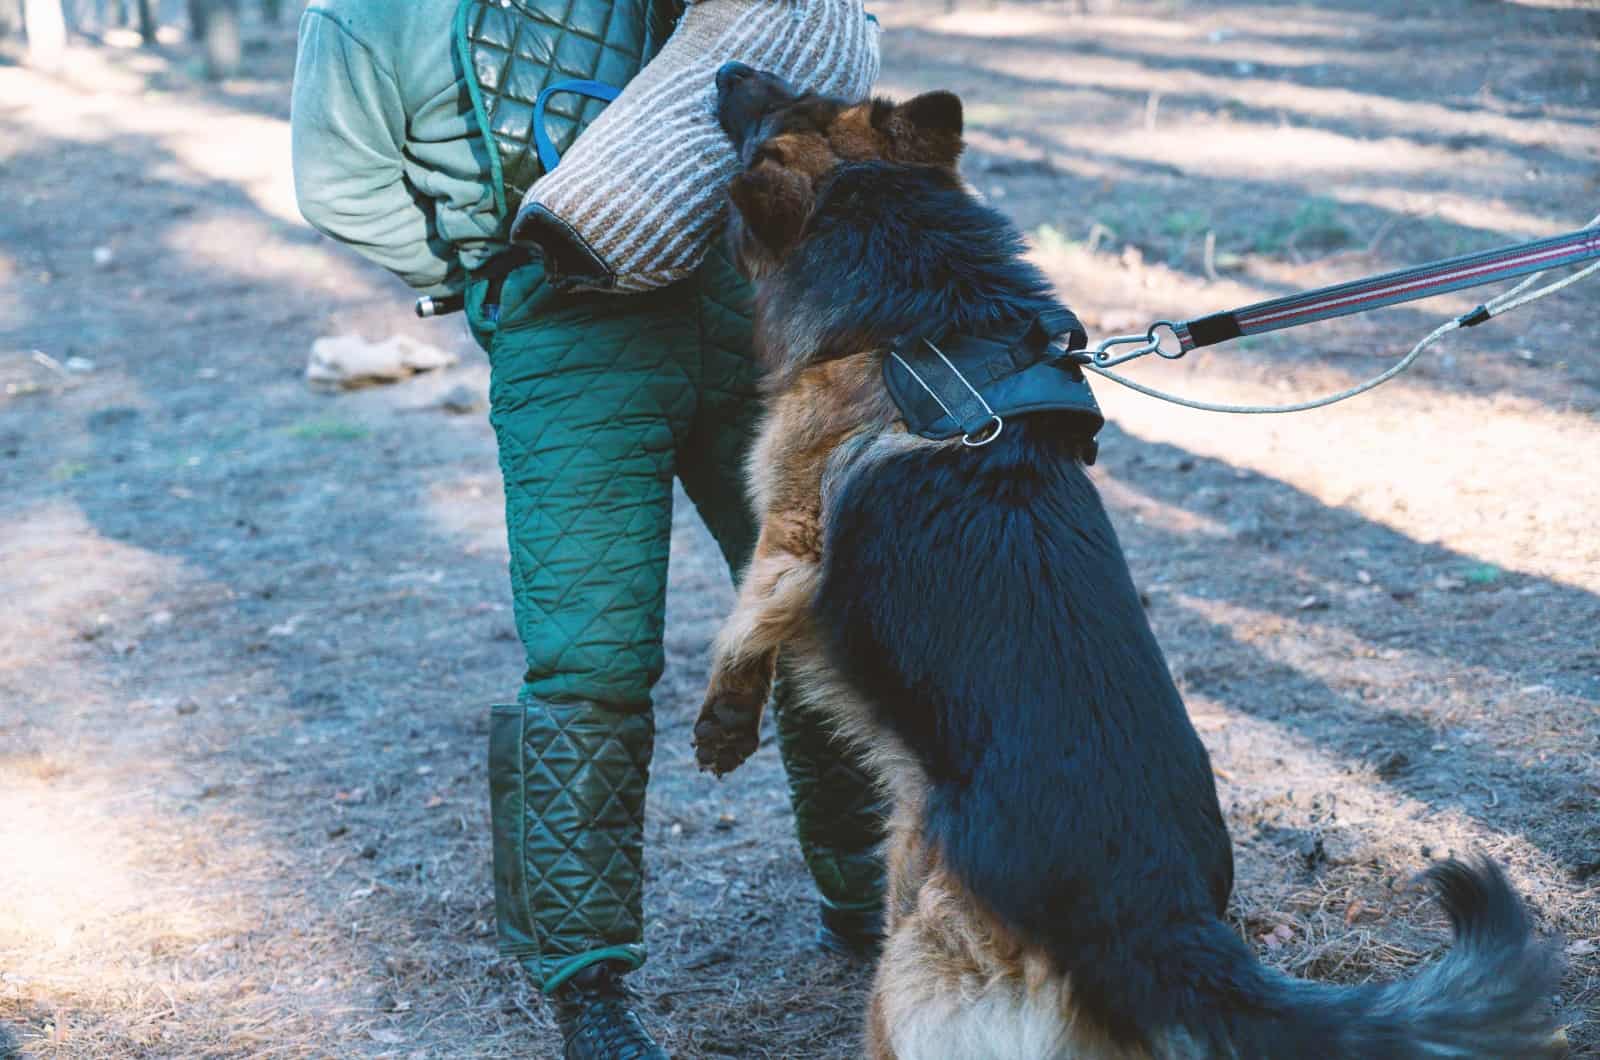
(1149, 342)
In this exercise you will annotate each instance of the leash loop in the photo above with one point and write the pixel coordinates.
(1157, 349)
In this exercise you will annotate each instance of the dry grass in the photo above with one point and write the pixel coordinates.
(244, 665)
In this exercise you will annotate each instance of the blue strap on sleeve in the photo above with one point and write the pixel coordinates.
(548, 155)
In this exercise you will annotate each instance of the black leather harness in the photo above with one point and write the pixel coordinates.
(967, 387)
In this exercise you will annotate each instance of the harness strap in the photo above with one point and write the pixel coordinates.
(954, 392)
(1390, 288)
(548, 155)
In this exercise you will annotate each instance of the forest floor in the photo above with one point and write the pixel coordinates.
(251, 632)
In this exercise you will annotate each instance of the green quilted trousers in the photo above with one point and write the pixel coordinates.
(598, 402)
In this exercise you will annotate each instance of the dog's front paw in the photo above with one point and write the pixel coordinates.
(728, 729)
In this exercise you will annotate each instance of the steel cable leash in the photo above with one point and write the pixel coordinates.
(1356, 297)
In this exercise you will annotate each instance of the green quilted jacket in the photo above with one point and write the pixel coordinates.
(389, 153)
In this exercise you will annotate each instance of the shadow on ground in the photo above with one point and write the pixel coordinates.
(260, 626)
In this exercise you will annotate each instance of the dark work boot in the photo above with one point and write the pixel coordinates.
(596, 1021)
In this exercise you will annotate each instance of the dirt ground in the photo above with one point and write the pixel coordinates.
(250, 632)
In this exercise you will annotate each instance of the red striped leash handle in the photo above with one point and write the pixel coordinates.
(1358, 296)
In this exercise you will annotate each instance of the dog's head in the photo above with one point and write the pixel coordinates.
(789, 143)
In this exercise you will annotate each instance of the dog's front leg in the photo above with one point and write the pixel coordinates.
(774, 600)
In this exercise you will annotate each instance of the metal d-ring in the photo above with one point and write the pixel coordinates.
(990, 432)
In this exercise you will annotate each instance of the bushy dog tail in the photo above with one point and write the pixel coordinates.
(1487, 998)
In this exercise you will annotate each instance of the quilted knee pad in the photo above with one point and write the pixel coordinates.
(567, 789)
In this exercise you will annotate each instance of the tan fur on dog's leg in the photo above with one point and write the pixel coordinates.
(878, 1046)
(774, 601)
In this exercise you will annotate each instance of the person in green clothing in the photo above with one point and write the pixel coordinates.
(412, 134)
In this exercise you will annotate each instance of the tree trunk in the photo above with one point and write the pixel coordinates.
(46, 27)
(10, 17)
(223, 47)
(147, 23)
(197, 19)
(272, 10)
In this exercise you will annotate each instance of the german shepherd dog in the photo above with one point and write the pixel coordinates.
(1058, 863)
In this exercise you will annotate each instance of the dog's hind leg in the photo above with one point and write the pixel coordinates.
(953, 983)
(774, 604)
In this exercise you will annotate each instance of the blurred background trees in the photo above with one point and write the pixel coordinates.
(215, 24)
(45, 27)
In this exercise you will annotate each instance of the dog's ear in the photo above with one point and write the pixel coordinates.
(774, 205)
(925, 129)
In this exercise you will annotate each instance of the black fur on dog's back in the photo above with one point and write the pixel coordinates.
(979, 600)
(869, 267)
